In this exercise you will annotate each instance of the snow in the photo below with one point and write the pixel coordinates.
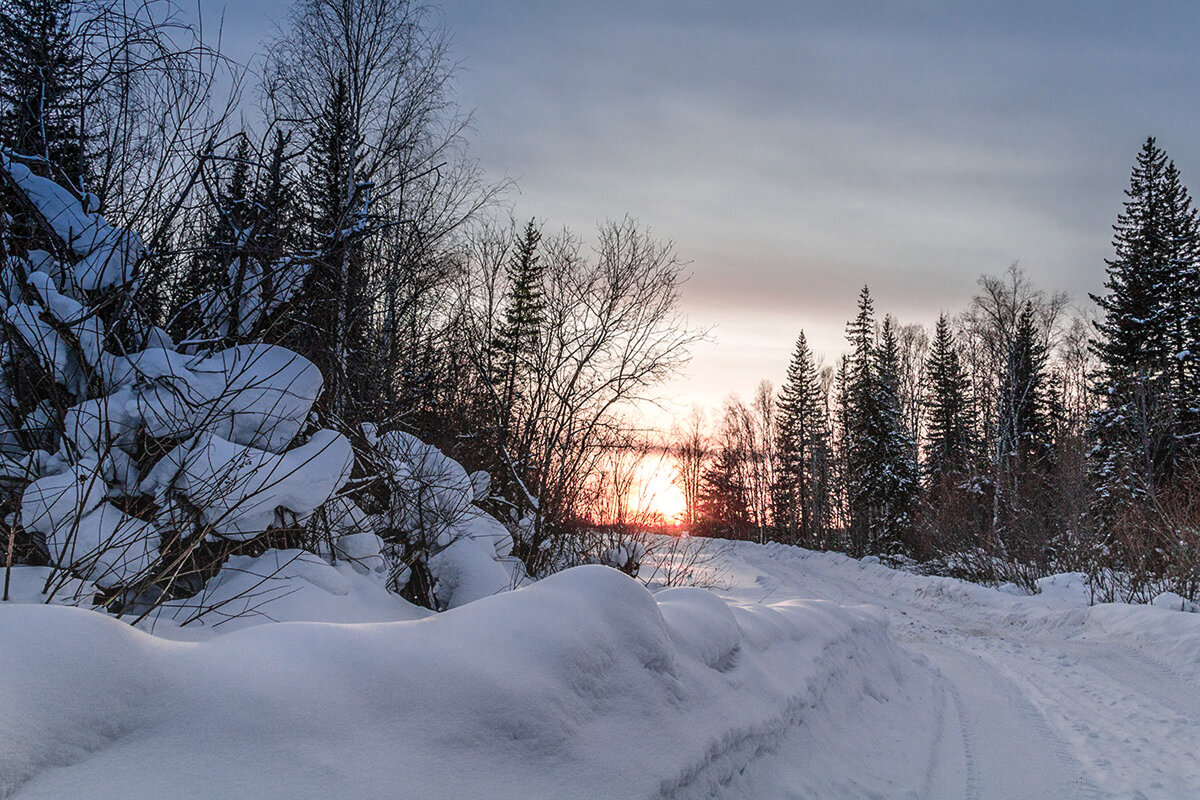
(107, 255)
(433, 499)
(238, 490)
(805, 675)
(84, 532)
(70, 358)
(255, 395)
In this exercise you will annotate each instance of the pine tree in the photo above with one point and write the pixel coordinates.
(1148, 341)
(39, 88)
(948, 429)
(333, 310)
(896, 468)
(522, 325)
(802, 507)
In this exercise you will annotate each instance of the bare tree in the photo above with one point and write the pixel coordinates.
(691, 459)
(611, 332)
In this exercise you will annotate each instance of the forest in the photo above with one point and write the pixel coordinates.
(345, 251)
(1025, 436)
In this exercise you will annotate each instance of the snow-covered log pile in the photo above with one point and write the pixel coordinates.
(124, 458)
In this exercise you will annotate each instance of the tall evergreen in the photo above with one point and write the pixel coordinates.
(1148, 341)
(276, 226)
(206, 274)
(334, 309)
(879, 473)
(724, 497)
(859, 397)
(40, 103)
(1025, 422)
(522, 324)
(895, 468)
(948, 427)
(801, 496)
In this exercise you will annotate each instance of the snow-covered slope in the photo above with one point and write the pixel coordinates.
(804, 675)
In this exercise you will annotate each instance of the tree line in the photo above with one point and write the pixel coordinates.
(1017, 438)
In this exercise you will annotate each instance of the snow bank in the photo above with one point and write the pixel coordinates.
(84, 532)
(582, 685)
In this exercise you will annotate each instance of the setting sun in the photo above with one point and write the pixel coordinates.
(656, 492)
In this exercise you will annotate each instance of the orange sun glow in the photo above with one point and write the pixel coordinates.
(656, 491)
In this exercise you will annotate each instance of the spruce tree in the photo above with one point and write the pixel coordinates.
(276, 233)
(879, 471)
(948, 428)
(41, 112)
(522, 323)
(333, 310)
(801, 496)
(859, 396)
(1148, 341)
(895, 469)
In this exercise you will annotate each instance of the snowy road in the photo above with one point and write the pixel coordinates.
(1028, 697)
(822, 678)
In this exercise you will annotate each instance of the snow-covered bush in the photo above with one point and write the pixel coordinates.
(127, 463)
(140, 468)
(443, 548)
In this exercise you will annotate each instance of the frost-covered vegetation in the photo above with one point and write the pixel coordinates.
(307, 337)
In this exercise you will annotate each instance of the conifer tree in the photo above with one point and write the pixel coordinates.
(895, 469)
(879, 470)
(1147, 341)
(859, 396)
(802, 506)
(334, 308)
(41, 112)
(1024, 412)
(522, 323)
(207, 272)
(724, 497)
(948, 430)
(276, 234)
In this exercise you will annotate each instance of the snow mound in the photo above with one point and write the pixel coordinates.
(584, 684)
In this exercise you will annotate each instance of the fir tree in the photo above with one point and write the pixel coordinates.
(1147, 341)
(802, 507)
(859, 396)
(276, 234)
(725, 498)
(894, 467)
(522, 325)
(207, 272)
(1025, 422)
(39, 88)
(333, 310)
(879, 471)
(948, 429)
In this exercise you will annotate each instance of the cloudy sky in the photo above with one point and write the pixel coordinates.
(794, 151)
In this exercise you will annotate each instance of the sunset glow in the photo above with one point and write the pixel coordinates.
(655, 490)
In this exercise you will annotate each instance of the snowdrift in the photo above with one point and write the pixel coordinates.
(582, 685)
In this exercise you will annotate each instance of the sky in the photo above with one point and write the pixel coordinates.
(795, 151)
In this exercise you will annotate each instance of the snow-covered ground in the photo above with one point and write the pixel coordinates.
(816, 676)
